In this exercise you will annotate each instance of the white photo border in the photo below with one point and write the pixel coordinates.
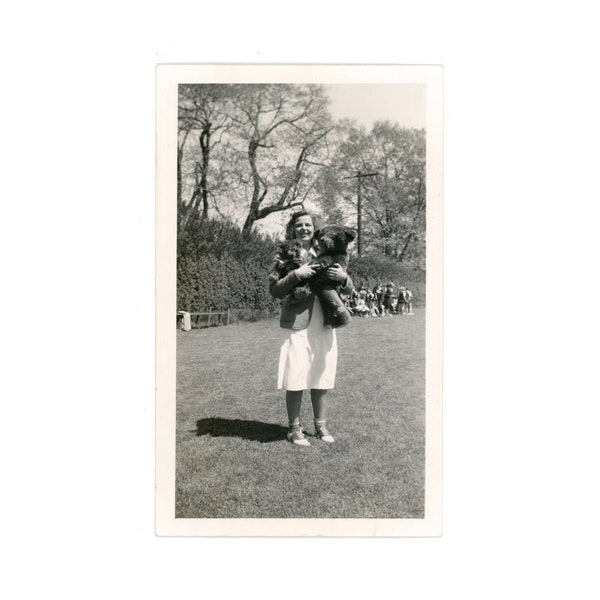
(168, 78)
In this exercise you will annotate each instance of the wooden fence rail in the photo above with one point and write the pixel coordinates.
(183, 316)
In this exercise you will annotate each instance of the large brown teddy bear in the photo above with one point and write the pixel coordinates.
(333, 248)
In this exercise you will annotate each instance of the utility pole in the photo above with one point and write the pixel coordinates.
(359, 175)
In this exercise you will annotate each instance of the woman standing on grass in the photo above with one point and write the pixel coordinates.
(308, 355)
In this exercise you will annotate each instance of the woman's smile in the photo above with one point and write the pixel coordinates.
(304, 229)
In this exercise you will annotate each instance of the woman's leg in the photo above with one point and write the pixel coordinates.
(317, 398)
(293, 402)
(319, 409)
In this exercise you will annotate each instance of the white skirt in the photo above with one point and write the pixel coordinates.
(308, 357)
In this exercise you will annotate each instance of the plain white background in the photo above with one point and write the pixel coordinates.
(521, 300)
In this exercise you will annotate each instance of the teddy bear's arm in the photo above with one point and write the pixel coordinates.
(348, 286)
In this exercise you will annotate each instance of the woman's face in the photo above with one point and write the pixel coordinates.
(304, 229)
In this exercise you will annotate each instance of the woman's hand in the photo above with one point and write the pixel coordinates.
(305, 272)
(336, 273)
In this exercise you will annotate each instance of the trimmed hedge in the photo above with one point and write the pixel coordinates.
(219, 268)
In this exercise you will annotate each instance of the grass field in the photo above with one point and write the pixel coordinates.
(232, 457)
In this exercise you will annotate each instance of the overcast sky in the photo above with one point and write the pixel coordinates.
(367, 103)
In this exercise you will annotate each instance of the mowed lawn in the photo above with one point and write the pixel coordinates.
(232, 457)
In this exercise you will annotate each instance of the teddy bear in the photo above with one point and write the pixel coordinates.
(333, 249)
(290, 257)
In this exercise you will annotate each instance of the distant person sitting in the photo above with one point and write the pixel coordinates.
(345, 298)
(371, 304)
(361, 308)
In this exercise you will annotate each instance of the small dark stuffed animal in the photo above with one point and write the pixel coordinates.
(288, 259)
(333, 244)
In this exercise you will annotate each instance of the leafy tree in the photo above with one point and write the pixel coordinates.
(393, 202)
(337, 184)
(396, 206)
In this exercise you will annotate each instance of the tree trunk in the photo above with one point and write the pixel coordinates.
(409, 239)
(257, 197)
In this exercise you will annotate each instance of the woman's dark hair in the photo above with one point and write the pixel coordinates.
(289, 228)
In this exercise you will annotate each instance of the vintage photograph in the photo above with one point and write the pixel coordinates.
(299, 236)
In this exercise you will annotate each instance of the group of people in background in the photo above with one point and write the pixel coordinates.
(383, 300)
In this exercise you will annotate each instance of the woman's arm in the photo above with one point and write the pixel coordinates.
(280, 288)
(337, 273)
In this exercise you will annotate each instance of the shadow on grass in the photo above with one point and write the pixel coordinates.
(247, 430)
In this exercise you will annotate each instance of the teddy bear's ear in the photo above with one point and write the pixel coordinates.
(350, 234)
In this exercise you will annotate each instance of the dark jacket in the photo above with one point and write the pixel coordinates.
(297, 308)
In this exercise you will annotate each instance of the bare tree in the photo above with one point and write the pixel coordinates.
(203, 117)
(284, 128)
